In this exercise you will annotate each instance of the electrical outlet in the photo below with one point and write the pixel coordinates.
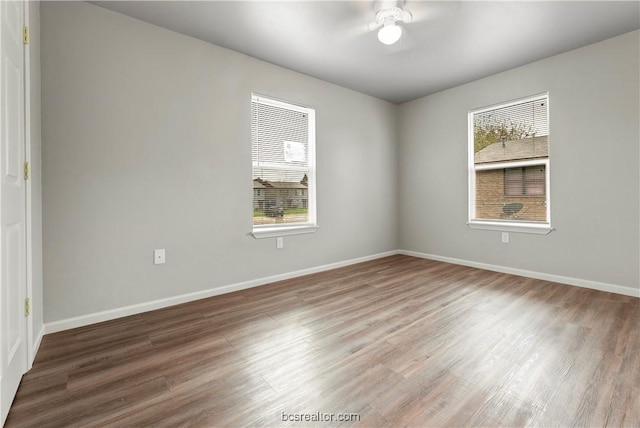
(159, 257)
(505, 237)
(279, 242)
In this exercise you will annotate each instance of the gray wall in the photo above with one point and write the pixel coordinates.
(36, 171)
(146, 144)
(594, 112)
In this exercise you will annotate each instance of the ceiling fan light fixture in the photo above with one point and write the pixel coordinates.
(389, 34)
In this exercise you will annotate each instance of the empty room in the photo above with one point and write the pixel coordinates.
(320, 213)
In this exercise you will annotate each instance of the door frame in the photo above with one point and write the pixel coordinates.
(31, 346)
(26, 288)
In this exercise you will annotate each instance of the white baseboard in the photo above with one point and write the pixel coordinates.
(36, 346)
(111, 314)
(594, 285)
(80, 321)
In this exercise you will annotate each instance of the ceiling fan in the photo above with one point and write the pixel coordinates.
(387, 20)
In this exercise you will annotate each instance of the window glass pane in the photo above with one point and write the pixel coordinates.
(511, 133)
(526, 202)
(279, 197)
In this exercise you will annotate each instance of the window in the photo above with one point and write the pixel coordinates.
(509, 166)
(522, 181)
(283, 165)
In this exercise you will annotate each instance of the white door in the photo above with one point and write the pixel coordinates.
(13, 331)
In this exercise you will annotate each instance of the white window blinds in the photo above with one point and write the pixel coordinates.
(280, 136)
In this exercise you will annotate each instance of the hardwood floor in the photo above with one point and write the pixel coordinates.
(398, 341)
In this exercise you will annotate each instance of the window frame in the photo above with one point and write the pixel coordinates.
(525, 226)
(311, 225)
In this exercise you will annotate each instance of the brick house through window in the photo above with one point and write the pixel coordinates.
(507, 187)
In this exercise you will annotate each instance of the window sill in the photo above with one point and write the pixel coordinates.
(272, 232)
(540, 229)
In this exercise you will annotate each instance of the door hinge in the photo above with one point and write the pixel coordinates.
(26, 170)
(25, 35)
(27, 307)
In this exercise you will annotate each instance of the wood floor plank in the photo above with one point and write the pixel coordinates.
(398, 341)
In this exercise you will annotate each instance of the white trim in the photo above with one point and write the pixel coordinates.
(513, 226)
(471, 172)
(31, 345)
(273, 232)
(83, 320)
(275, 102)
(584, 283)
(536, 97)
(511, 164)
(312, 214)
(69, 323)
(36, 346)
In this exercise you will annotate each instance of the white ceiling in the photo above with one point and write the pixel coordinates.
(449, 42)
